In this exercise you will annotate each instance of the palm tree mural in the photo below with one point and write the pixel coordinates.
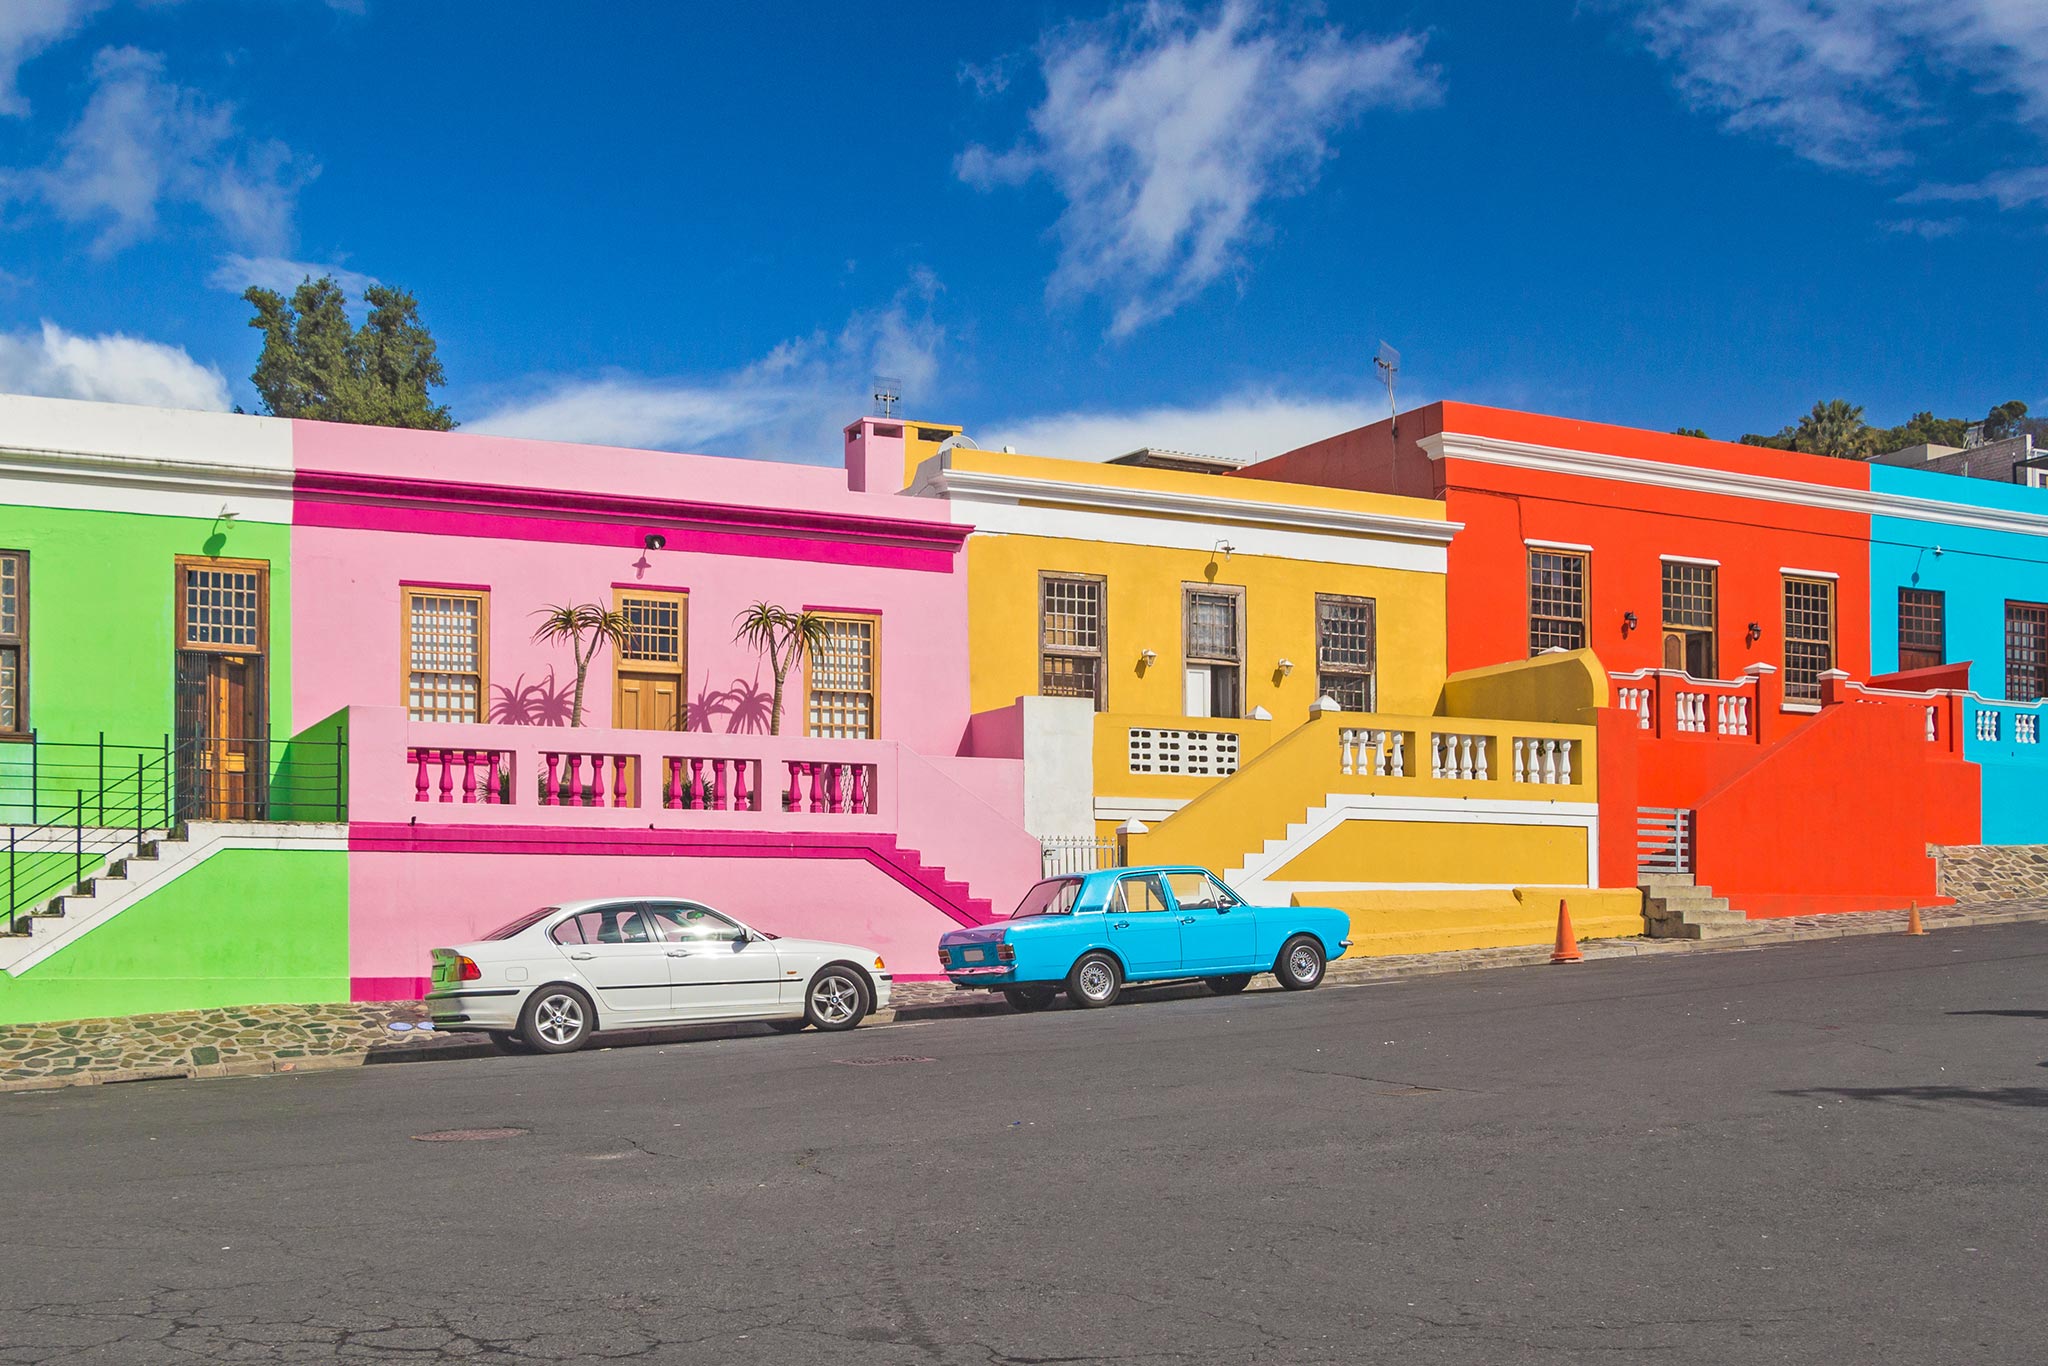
(587, 627)
(785, 637)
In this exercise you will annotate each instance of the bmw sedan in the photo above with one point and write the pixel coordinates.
(550, 979)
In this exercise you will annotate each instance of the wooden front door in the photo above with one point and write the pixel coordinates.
(222, 634)
(648, 701)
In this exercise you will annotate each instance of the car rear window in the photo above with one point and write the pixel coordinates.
(524, 922)
(1054, 896)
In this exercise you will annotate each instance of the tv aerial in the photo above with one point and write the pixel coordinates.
(1388, 362)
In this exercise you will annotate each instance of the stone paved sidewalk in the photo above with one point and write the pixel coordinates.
(281, 1038)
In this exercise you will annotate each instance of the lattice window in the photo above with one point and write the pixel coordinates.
(221, 609)
(1691, 608)
(654, 628)
(1190, 753)
(2026, 651)
(1557, 601)
(841, 704)
(1923, 629)
(1070, 637)
(444, 655)
(1213, 627)
(1347, 650)
(13, 642)
(1809, 636)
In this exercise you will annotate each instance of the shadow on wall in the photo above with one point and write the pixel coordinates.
(745, 706)
(544, 703)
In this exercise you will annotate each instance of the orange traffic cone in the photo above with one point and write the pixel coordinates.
(1567, 942)
(1913, 919)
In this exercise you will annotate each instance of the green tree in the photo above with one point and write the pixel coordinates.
(2006, 420)
(316, 364)
(785, 637)
(1700, 432)
(1834, 427)
(588, 628)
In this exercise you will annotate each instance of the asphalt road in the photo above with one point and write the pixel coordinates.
(1827, 1152)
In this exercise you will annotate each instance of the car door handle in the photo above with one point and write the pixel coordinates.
(583, 955)
(1187, 920)
(1121, 925)
(679, 953)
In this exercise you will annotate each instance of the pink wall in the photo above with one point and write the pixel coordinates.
(540, 523)
(402, 905)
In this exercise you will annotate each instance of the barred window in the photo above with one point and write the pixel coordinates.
(1923, 629)
(13, 642)
(444, 655)
(1347, 651)
(1557, 601)
(1691, 609)
(654, 628)
(1070, 637)
(221, 609)
(841, 680)
(1809, 636)
(2026, 651)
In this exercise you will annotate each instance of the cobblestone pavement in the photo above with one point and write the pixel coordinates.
(280, 1038)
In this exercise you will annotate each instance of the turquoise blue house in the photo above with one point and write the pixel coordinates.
(1959, 574)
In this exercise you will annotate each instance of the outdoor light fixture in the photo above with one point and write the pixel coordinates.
(1147, 658)
(655, 540)
(1628, 621)
(1286, 667)
(1756, 632)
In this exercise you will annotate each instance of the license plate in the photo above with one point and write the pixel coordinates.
(975, 955)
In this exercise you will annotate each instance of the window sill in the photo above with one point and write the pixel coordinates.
(1801, 708)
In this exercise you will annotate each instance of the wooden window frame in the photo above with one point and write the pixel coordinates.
(874, 620)
(1802, 699)
(482, 597)
(2035, 613)
(1236, 592)
(624, 663)
(23, 729)
(1931, 605)
(1692, 574)
(1100, 654)
(180, 565)
(1585, 562)
(1371, 672)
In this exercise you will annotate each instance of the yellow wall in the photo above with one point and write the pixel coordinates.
(1429, 851)
(1562, 687)
(1435, 921)
(916, 449)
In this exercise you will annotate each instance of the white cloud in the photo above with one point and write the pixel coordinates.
(1928, 229)
(1851, 83)
(236, 273)
(2007, 189)
(143, 142)
(1164, 130)
(1250, 425)
(790, 404)
(112, 368)
(28, 27)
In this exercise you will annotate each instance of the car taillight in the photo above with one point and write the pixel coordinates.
(1006, 952)
(467, 970)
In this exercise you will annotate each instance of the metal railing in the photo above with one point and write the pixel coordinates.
(1664, 840)
(71, 807)
(1060, 855)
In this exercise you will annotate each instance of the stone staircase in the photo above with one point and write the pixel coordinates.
(90, 900)
(1677, 907)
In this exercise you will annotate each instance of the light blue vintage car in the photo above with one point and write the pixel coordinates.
(1090, 933)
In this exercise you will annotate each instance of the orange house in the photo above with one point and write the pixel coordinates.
(1726, 588)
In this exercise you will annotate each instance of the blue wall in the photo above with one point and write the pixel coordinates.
(1977, 570)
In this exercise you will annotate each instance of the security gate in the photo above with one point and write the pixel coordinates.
(1664, 840)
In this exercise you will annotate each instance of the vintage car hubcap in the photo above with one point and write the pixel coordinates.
(1303, 963)
(1095, 981)
(834, 998)
(559, 1019)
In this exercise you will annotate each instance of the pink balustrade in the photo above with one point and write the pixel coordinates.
(830, 787)
(714, 783)
(579, 778)
(464, 775)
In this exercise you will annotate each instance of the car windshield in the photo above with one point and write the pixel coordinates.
(1054, 896)
(524, 922)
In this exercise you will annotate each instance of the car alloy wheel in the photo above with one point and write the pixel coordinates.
(837, 999)
(557, 1020)
(1095, 981)
(1301, 963)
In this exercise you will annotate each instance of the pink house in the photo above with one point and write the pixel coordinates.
(419, 564)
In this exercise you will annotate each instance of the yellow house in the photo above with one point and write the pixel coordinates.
(1250, 675)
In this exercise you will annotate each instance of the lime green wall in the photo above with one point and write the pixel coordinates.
(101, 615)
(246, 927)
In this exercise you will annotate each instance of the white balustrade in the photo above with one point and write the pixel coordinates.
(1932, 727)
(1987, 725)
(1460, 757)
(1637, 700)
(1380, 753)
(2026, 728)
(1547, 761)
(1692, 713)
(1731, 715)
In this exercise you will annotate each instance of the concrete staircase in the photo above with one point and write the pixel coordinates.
(1677, 907)
(124, 879)
(1274, 853)
(948, 894)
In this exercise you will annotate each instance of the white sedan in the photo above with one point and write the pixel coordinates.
(552, 978)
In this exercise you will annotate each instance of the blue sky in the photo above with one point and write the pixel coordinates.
(1072, 228)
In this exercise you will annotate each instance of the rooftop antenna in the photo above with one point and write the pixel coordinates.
(1388, 362)
(888, 391)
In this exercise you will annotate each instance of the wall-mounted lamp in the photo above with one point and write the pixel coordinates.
(1628, 622)
(1223, 548)
(655, 540)
(1756, 632)
(1286, 667)
(1147, 658)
